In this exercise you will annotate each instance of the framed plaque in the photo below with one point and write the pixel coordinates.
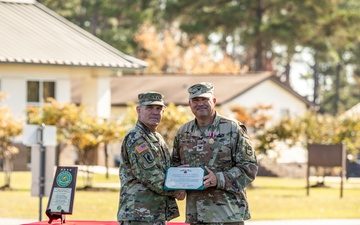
(184, 178)
(62, 194)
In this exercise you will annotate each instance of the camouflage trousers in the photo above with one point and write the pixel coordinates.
(141, 223)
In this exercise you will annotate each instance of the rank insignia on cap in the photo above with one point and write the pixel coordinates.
(141, 148)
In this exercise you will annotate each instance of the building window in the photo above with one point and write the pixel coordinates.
(39, 91)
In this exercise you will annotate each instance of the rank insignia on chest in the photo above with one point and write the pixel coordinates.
(141, 148)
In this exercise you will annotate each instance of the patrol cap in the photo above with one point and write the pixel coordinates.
(202, 89)
(151, 98)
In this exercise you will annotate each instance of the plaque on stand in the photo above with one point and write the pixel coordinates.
(62, 194)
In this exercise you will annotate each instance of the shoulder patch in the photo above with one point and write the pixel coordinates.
(148, 157)
(142, 147)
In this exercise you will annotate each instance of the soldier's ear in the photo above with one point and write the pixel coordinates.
(214, 100)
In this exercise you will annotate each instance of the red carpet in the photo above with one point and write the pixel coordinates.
(89, 222)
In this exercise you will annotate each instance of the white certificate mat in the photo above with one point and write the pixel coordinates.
(184, 178)
(60, 200)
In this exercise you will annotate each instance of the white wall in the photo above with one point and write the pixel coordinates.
(97, 95)
(15, 88)
(63, 90)
(269, 93)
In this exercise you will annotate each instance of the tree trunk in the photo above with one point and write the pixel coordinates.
(106, 160)
(7, 167)
(258, 43)
(337, 88)
(316, 81)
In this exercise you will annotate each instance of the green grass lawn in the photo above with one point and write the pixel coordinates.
(271, 198)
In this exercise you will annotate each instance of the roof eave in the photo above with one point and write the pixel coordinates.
(71, 64)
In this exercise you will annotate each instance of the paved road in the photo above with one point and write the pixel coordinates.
(8, 221)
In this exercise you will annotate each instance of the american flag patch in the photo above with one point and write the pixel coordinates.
(141, 148)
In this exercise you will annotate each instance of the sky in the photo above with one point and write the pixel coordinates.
(303, 87)
(299, 66)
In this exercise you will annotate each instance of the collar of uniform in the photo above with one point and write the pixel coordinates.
(215, 124)
(143, 126)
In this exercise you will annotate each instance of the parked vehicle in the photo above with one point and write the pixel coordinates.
(352, 168)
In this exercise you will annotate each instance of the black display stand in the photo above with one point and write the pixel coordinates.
(55, 216)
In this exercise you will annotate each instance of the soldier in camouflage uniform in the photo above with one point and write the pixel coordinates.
(143, 162)
(222, 146)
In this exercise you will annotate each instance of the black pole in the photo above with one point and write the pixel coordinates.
(42, 168)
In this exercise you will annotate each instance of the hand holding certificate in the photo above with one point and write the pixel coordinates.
(184, 178)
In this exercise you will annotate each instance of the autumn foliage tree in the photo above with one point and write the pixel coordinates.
(256, 119)
(10, 127)
(168, 51)
(310, 128)
(173, 118)
(78, 127)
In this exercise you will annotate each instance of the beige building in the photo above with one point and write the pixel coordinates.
(41, 52)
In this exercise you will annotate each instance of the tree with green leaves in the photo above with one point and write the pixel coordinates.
(113, 21)
(252, 30)
(333, 46)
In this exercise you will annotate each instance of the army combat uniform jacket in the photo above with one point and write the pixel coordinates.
(143, 162)
(225, 149)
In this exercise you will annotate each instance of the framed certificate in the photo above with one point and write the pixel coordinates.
(184, 178)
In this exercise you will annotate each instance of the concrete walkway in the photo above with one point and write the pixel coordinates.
(307, 222)
(9, 221)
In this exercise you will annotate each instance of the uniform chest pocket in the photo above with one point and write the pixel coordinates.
(223, 158)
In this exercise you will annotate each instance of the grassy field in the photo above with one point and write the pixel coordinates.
(271, 198)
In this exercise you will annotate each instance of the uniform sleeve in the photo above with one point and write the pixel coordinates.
(175, 157)
(245, 164)
(145, 166)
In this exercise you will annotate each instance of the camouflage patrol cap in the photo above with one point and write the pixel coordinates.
(203, 89)
(151, 98)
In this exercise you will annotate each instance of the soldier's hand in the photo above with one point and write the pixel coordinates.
(180, 195)
(210, 179)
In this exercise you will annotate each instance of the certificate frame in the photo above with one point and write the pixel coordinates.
(184, 178)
